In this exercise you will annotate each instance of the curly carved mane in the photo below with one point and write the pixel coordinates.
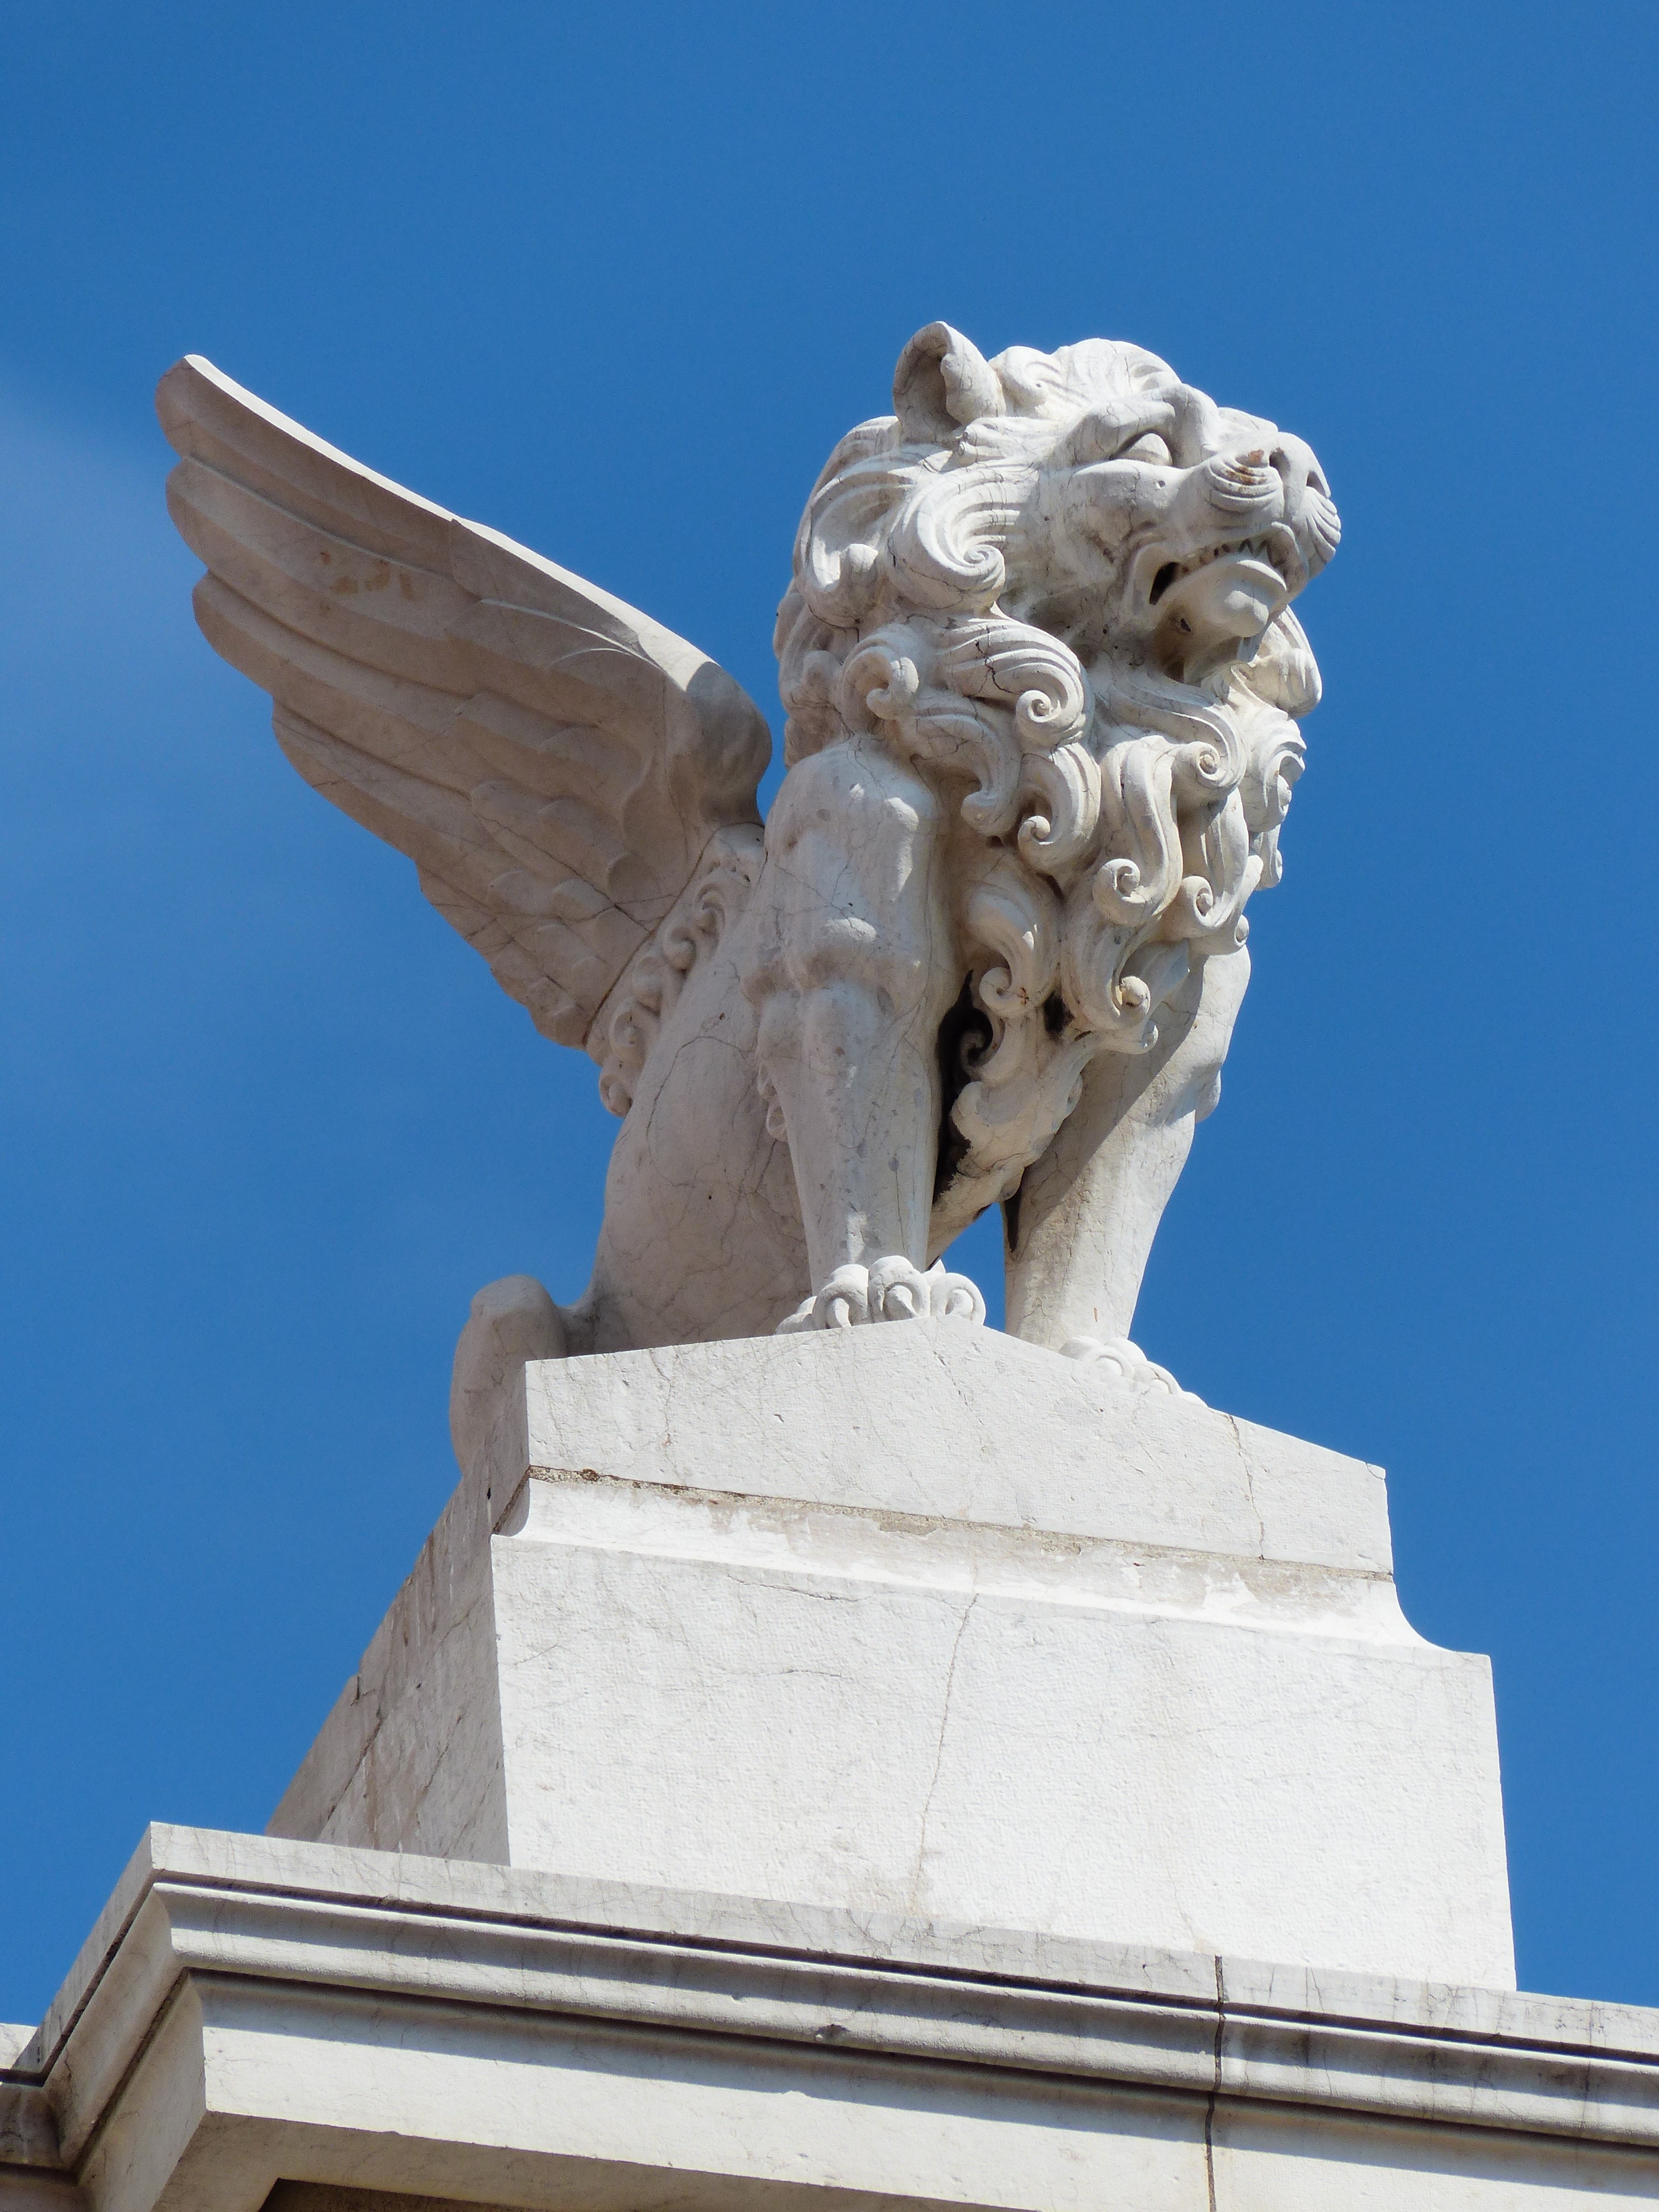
(1126, 817)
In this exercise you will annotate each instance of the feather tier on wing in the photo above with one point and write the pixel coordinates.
(553, 762)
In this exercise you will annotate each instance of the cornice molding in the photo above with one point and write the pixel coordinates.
(327, 1927)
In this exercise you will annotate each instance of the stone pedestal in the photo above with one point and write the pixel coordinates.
(920, 1773)
(922, 1621)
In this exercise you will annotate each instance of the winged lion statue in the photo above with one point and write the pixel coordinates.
(1041, 684)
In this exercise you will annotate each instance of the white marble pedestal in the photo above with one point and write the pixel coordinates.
(899, 1753)
(920, 1621)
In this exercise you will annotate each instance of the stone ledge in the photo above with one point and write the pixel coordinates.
(945, 1422)
(329, 1925)
(28, 2133)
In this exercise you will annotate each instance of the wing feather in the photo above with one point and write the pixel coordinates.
(208, 418)
(559, 759)
(552, 761)
(386, 613)
(433, 827)
(407, 724)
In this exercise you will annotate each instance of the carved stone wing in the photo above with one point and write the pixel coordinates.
(553, 762)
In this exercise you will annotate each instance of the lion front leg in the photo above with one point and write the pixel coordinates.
(1082, 1228)
(853, 974)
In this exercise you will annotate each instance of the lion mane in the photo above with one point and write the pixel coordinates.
(1122, 817)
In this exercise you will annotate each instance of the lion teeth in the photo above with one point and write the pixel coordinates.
(1255, 548)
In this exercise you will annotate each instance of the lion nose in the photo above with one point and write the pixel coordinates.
(1296, 465)
(1309, 508)
(1244, 483)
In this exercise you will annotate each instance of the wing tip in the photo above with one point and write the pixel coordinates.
(179, 394)
(206, 414)
(189, 368)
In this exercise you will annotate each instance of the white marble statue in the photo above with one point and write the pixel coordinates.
(1041, 680)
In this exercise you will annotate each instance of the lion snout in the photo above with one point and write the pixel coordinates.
(1307, 505)
(1280, 480)
(1269, 499)
(1241, 483)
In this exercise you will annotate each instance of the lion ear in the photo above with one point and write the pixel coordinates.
(941, 383)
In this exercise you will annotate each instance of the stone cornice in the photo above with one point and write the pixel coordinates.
(322, 1926)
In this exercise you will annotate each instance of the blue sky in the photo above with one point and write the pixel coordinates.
(614, 280)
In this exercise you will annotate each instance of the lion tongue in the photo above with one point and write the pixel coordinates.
(1217, 614)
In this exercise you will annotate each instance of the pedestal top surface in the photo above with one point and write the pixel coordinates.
(944, 1421)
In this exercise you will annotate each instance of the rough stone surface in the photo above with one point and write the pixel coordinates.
(1042, 682)
(929, 1621)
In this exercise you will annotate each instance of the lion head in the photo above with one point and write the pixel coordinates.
(1062, 582)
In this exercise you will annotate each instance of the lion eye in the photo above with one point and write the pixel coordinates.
(1149, 447)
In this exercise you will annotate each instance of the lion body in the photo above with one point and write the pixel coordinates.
(1041, 738)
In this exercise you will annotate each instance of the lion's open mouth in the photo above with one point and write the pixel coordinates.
(1214, 609)
(1265, 549)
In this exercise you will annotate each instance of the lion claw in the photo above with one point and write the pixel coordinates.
(1128, 1362)
(893, 1289)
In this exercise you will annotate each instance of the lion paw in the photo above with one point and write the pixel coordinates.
(893, 1289)
(511, 1321)
(1128, 1362)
